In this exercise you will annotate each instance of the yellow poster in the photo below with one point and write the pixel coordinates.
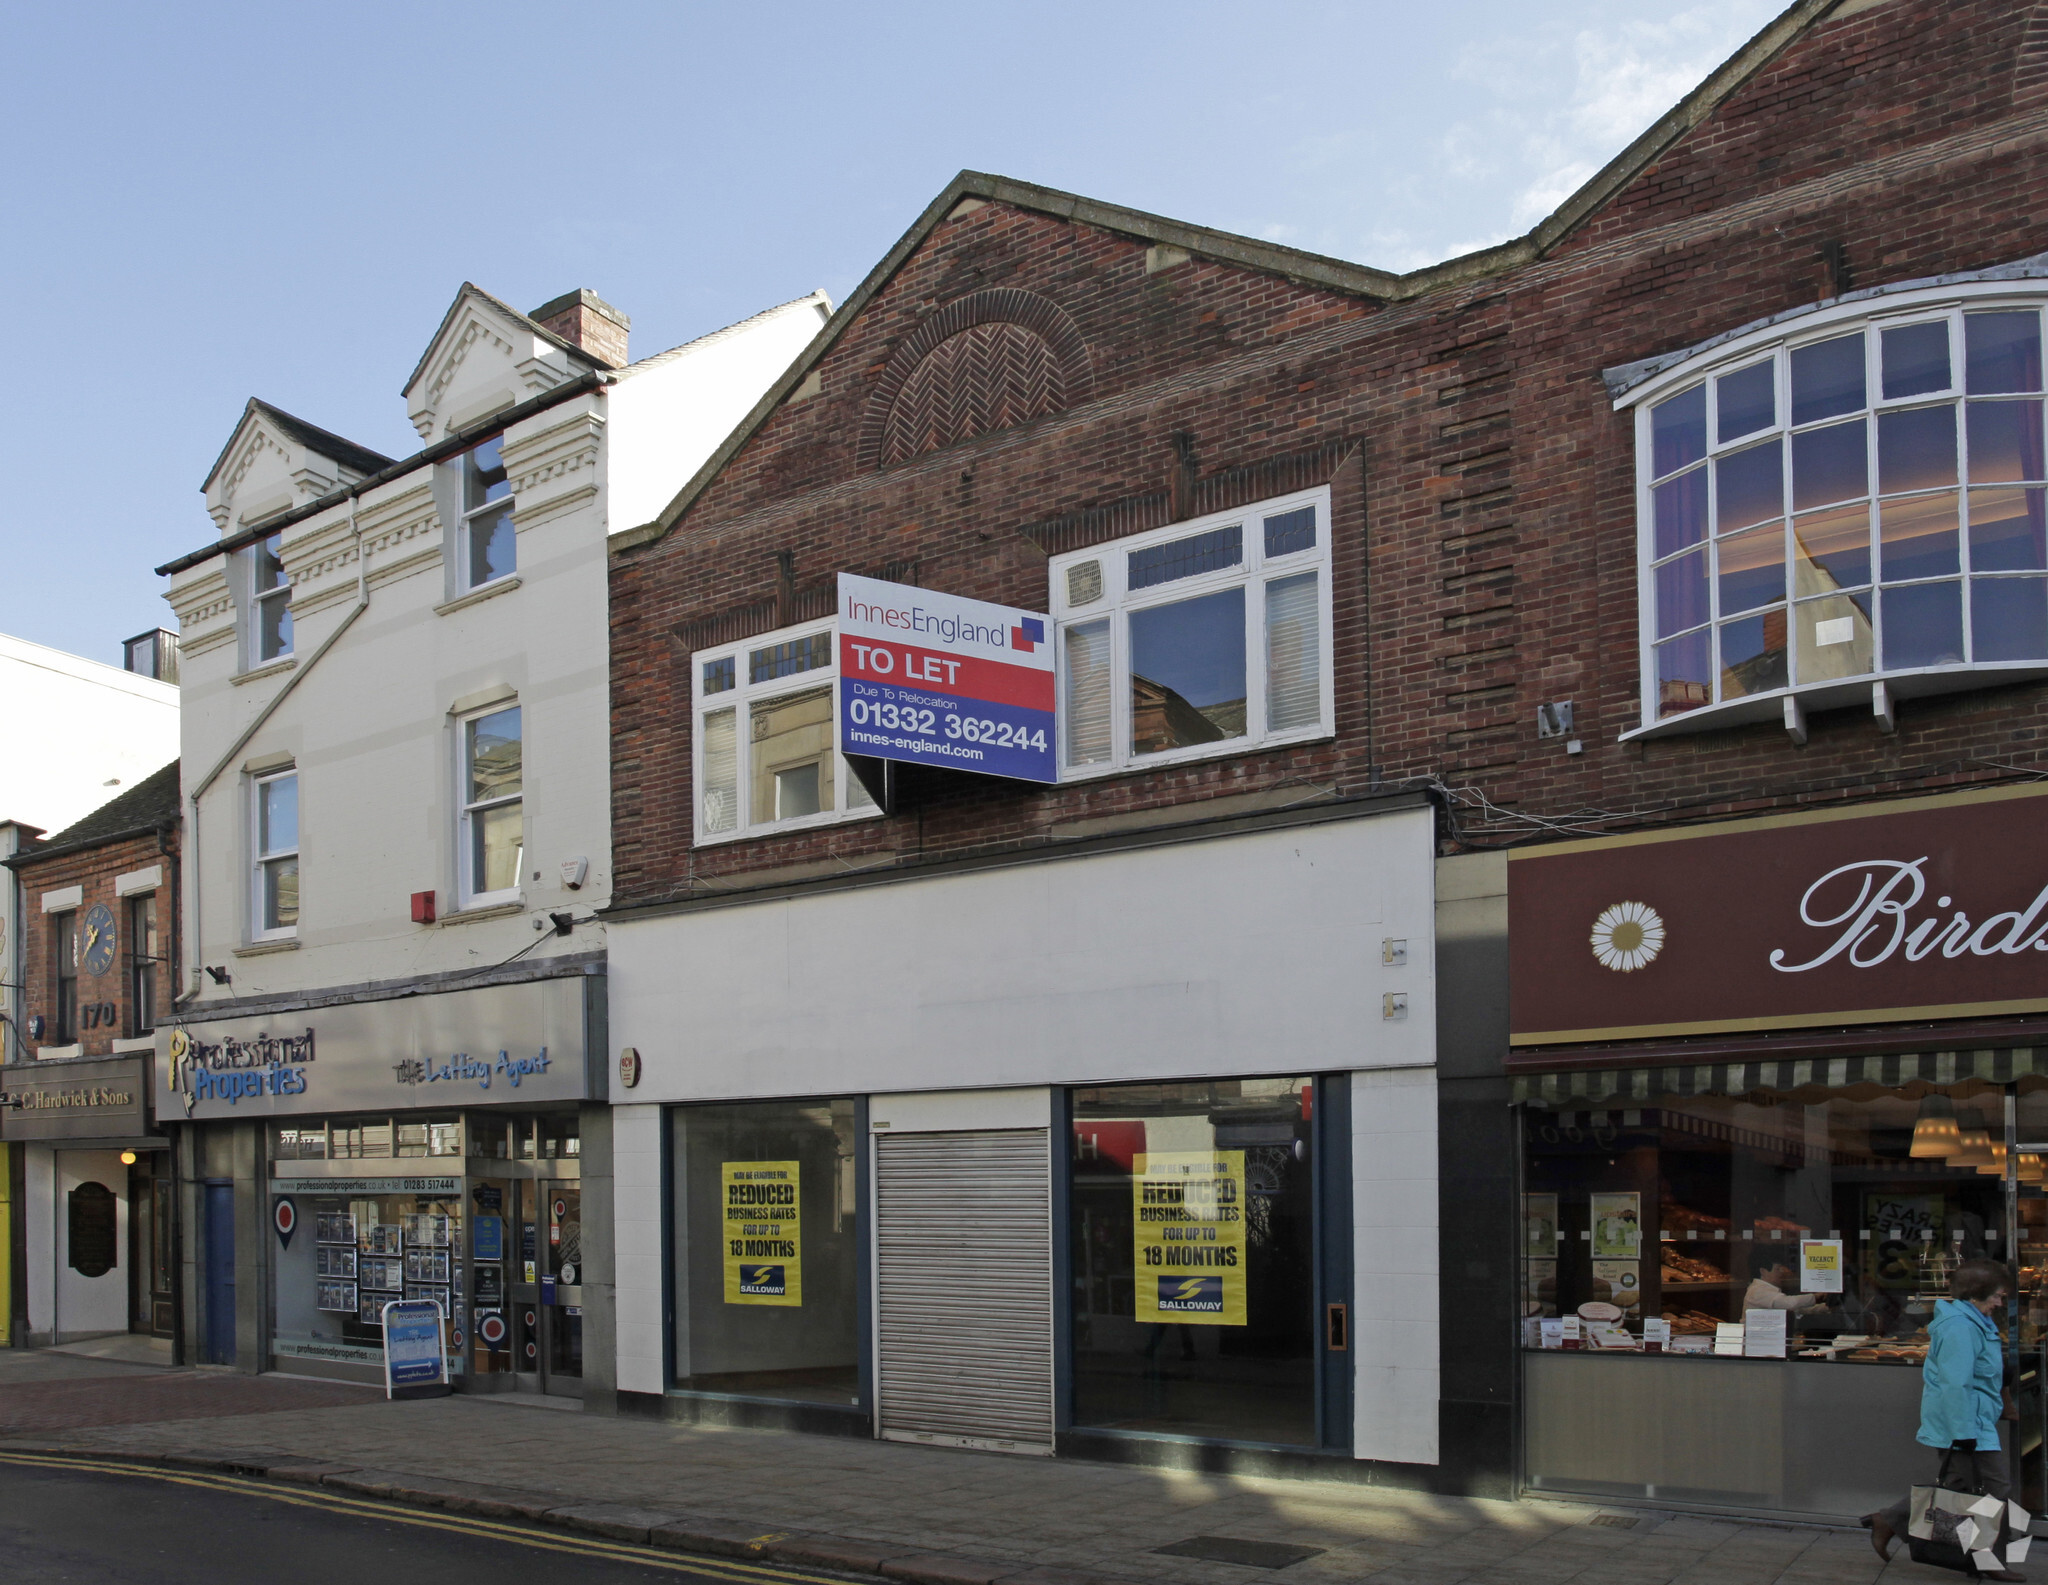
(1188, 1218)
(763, 1233)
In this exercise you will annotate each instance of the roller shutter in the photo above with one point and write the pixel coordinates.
(963, 1239)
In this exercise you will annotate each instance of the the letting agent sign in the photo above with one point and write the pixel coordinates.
(1925, 908)
(934, 679)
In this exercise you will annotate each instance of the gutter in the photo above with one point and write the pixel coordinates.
(459, 440)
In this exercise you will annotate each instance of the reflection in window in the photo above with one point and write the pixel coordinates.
(777, 1317)
(273, 599)
(493, 811)
(490, 544)
(1904, 511)
(277, 854)
(1198, 1319)
(765, 751)
(1187, 672)
(1217, 636)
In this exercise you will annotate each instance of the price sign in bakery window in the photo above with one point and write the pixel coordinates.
(1820, 1265)
(935, 679)
(763, 1233)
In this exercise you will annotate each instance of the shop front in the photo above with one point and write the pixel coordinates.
(418, 1147)
(96, 1198)
(1777, 1079)
(1074, 1166)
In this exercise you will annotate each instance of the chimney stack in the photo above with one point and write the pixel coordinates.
(586, 320)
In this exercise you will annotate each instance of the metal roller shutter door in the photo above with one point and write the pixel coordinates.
(963, 1239)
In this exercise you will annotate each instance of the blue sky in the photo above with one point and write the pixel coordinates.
(214, 201)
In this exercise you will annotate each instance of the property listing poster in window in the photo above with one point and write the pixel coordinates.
(1617, 1226)
(1188, 1226)
(763, 1233)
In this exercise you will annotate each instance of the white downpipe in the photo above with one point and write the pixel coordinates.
(193, 936)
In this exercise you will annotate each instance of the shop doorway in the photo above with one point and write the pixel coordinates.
(150, 1264)
(546, 1309)
(217, 1225)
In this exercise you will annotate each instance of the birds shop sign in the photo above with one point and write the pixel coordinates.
(1919, 909)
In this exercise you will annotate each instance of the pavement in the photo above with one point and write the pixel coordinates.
(866, 1508)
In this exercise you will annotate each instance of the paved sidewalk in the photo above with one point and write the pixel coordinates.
(940, 1517)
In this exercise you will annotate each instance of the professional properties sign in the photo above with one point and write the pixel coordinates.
(500, 1044)
(1920, 909)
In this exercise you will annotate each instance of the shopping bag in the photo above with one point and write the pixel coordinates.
(1961, 1530)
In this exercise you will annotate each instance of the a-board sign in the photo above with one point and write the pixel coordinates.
(935, 679)
(414, 1364)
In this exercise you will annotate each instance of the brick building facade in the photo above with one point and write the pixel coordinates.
(1031, 377)
(98, 967)
(121, 858)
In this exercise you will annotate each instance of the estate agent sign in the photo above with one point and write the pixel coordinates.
(496, 1045)
(1929, 908)
(934, 679)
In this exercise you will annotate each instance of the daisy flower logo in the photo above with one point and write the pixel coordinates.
(1628, 937)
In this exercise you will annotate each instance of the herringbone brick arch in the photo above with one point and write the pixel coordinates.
(983, 362)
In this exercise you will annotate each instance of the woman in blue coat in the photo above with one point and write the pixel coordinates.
(1962, 1396)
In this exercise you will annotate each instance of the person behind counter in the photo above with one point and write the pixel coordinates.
(1767, 1287)
(1962, 1398)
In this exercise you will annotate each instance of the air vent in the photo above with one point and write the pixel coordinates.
(1084, 583)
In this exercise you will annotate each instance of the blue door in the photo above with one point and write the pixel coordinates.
(218, 1249)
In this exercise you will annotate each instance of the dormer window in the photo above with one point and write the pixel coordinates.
(488, 547)
(271, 607)
(1860, 503)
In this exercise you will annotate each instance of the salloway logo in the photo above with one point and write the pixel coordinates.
(1869, 905)
(1191, 1295)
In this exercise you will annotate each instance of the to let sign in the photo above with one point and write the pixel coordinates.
(934, 679)
(1929, 908)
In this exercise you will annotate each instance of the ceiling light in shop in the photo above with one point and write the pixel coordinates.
(1996, 1167)
(2032, 1168)
(1976, 1144)
(1935, 1132)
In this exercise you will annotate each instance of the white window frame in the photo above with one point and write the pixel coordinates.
(467, 515)
(261, 858)
(466, 810)
(741, 698)
(1780, 338)
(260, 601)
(1117, 602)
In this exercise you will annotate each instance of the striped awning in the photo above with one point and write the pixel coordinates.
(1808, 1079)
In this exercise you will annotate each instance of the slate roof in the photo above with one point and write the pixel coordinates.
(336, 448)
(149, 804)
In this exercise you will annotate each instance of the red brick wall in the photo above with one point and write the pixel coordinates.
(93, 869)
(1483, 517)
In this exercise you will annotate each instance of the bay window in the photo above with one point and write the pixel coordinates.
(1208, 637)
(765, 755)
(1860, 501)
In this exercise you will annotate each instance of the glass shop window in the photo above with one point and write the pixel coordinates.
(767, 1275)
(1194, 1259)
(350, 1256)
(1847, 1215)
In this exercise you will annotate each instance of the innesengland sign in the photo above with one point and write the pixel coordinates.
(1929, 908)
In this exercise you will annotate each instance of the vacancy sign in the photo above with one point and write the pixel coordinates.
(932, 679)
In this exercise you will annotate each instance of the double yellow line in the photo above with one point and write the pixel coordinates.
(453, 1524)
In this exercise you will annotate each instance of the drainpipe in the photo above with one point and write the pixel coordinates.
(195, 938)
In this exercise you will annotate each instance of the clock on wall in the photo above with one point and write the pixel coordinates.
(96, 939)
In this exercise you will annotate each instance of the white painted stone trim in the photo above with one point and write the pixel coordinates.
(65, 897)
(138, 881)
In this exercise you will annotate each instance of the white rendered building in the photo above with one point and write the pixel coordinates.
(397, 804)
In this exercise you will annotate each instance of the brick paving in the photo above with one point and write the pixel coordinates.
(143, 1397)
(931, 1514)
